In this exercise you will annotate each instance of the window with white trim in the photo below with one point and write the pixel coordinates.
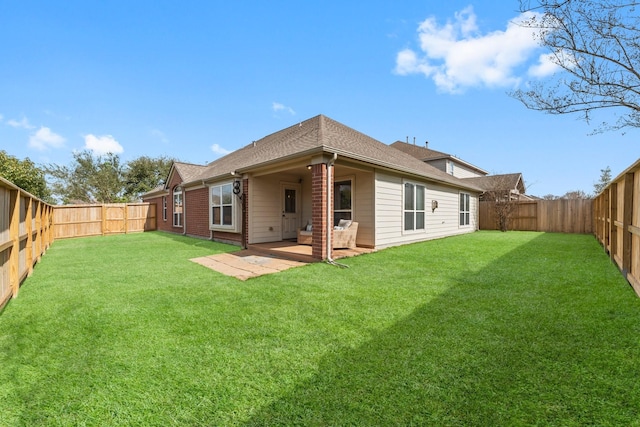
(414, 203)
(164, 208)
(465, 209)
(177, 207)
(221, 201)
(342, 201)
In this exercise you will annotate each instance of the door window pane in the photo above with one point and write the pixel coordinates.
(289, 200)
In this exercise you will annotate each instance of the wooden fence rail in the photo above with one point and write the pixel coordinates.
(25, 235)
(617, 222)
(100, 220)
(555, 216)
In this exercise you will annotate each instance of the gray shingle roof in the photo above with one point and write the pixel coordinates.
(188, 171)
(322, 134)
(509, 181)
(421, 153)
(427, 154)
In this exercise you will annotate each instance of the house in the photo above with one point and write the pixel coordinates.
(314, 174)
(511, 184)
(443, 161)
(508, 186)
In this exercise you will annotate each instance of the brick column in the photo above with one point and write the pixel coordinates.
(319, 218)
(245, 213)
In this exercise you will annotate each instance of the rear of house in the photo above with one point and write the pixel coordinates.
(312, 175)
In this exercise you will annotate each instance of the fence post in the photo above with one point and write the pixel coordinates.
(103, 212)
(14, 237)
(627, 219)
(29, 225)
(611, 216)
(126, 218)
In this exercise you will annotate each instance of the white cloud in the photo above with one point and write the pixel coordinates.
(23, 124)
(219, 150)
(44, 139)
(545, 66)
(101, 145)
(456, 56)
(276, 106)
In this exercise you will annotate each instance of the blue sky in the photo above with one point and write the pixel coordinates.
(196, 79)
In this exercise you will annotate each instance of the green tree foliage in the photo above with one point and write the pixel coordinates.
(144, 174)
(105, 179)
(596, 46)
(25, 174)
(89, 179)
(605, 179)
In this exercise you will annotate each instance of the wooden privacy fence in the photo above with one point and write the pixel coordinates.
(555, 216)
(617, 222)
(99, 220)
(25, 235)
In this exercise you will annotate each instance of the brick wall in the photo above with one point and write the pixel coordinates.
(319, 210)
(196, 205)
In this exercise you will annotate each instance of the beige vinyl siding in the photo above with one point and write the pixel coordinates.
(364, 208)
(388, 208)
(461, 171)
(444, 221)
(265, 222)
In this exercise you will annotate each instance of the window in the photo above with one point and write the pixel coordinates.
(177, 207)
(450, 166)
(465, 209)
(342, 201)
(290, 200)
(164, 208)
(222, 205)
(414, 213)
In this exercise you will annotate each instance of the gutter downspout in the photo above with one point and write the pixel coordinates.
(330, 166)
(329, 199)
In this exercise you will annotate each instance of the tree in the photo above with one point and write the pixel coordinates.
(550, 197)
(605, 179)
(25, 174)
(596, 45)
(104, 179)
(144, 174)
(503, 201)
(576, 194)
(89, 179)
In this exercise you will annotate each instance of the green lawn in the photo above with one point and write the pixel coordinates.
(484, 329)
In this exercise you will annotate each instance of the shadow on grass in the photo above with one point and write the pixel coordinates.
(545, 335)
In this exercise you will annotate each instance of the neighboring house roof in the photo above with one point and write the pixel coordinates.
(317, 135)
(426, 154)
(504, 182)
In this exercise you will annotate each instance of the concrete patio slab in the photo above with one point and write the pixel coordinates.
(246, 264)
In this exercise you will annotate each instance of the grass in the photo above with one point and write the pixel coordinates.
(484, 329)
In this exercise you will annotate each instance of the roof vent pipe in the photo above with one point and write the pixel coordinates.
(407, 139)
(414, 140)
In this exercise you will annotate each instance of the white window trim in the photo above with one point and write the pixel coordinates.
(467, 212)
(178, 191)
(164, 208)
(414, 230)
(234, 227)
